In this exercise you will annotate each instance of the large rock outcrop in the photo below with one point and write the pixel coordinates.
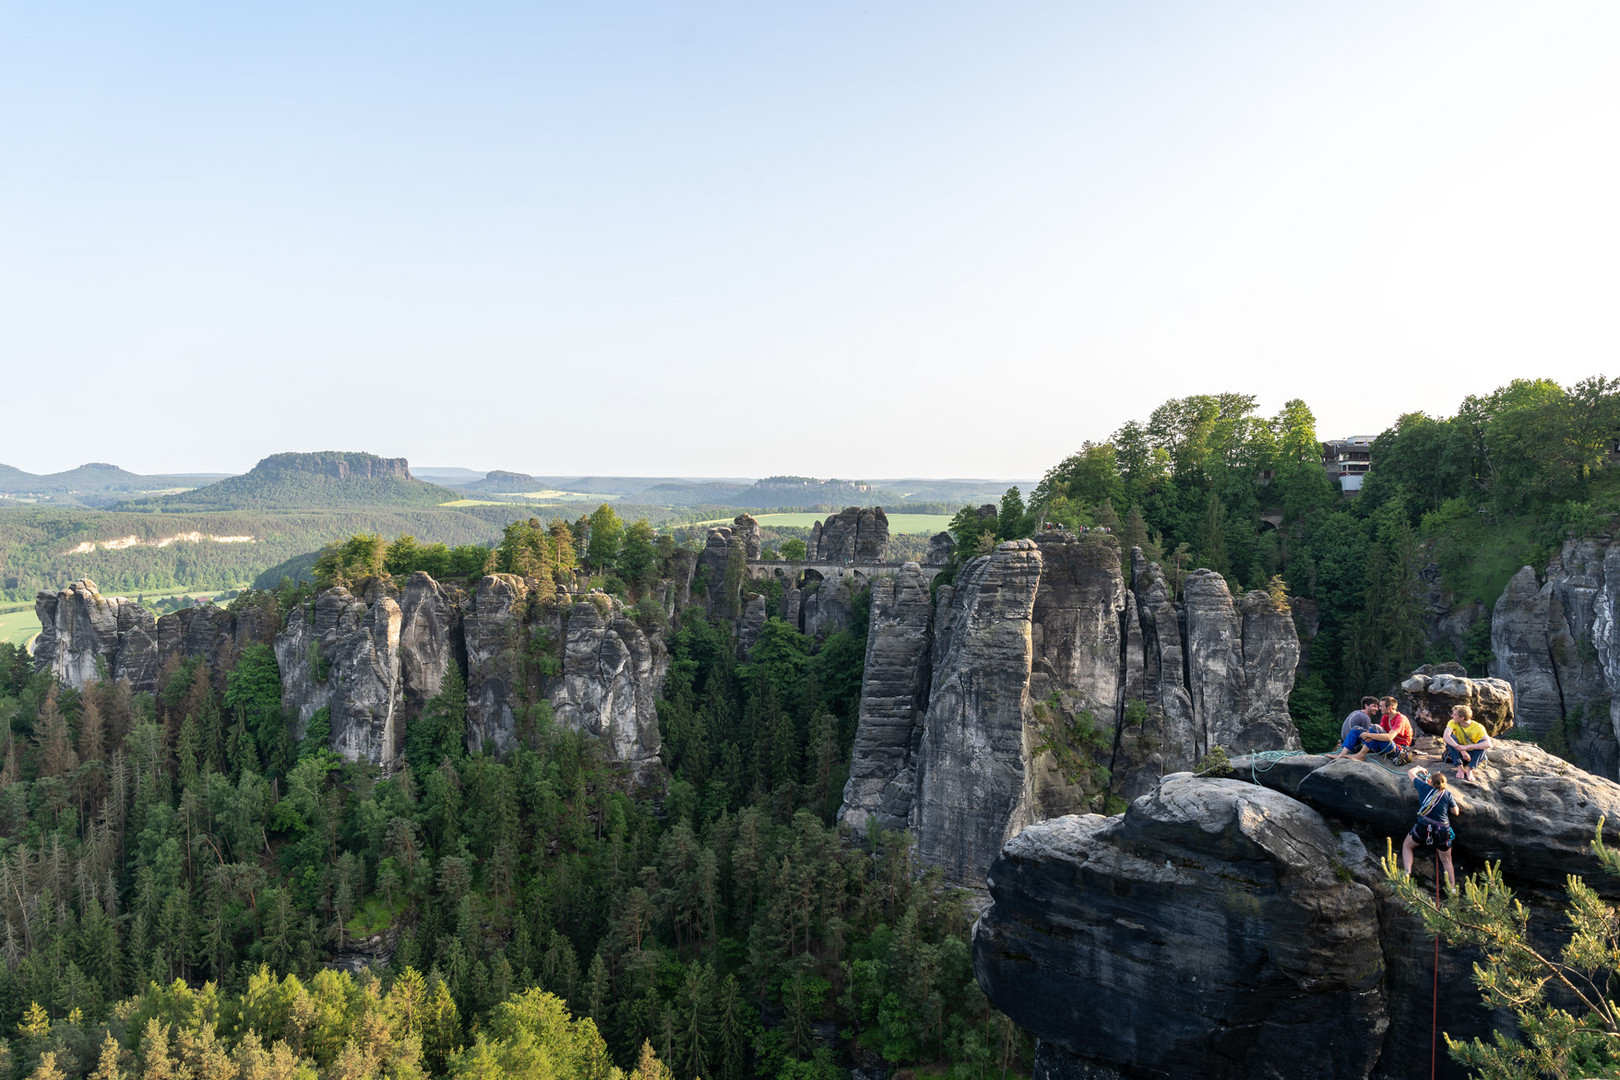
(1209, 931)
(894, 691)
(853, 535)
(1039, 685)
(613, 672)
(1558, 644)
(1216, 929)
(1228, 928)
(85, 636)
(972, 762)
(1534, 813)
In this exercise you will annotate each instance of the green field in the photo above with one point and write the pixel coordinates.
(920, 524)
(18, 625)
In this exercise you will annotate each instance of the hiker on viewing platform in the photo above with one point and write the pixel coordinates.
(1466, 742)
(1433, 826)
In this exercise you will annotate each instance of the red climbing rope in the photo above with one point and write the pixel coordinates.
(1434, 1017)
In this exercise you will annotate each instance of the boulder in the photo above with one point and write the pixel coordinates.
(1216, 929)
(1434, 691)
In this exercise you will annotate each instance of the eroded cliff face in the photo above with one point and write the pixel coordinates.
(375, 661)
(854, 534)
(1039, 685)
(1220, 928)
(85, 636)
(1558, 644)
(613, 672)
(1206, 932)
(972, 763)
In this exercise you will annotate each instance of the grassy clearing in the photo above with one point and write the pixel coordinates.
(19, 625)
(919, 524)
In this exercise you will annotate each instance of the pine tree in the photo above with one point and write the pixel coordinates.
(53, 741)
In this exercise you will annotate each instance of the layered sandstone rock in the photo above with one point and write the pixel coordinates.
(1049, 688)
(1558, 644)
(853, 535)
(1219, 929)
(971, 764)
(612, 675)
(894, 692)
(85, 636)
(1209, 931)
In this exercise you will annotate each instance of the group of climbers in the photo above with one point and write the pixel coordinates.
(1379, 728)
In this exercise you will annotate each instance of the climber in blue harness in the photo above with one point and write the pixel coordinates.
(1433, 826)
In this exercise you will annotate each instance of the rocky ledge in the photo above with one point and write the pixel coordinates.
(1227, 928)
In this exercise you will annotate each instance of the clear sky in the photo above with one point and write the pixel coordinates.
(876, 239)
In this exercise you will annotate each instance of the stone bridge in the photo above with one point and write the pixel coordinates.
(794, 574)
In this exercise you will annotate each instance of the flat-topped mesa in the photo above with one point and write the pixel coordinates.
(85, 636)
(1038, 684)
(853, 535)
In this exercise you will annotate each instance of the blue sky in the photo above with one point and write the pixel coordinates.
(830, 239)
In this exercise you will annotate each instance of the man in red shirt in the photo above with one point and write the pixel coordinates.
(1392, 735)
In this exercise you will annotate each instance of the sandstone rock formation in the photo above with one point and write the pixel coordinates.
(612, 675)
(1532, 812)
(972, 761)
(894, 691)
(375, 661)
(1206, 932)
(827, 604)
(854, 534)
(1220, 929)
(1434, 690)
(85, 636)
(1039, 685)
(1558, 644)
(940, 547)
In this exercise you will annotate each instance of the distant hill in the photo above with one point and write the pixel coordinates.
(329, 479)
(94, 478)
(501, 481)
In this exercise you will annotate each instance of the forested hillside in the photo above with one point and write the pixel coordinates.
(187, 836)
(1208, 482)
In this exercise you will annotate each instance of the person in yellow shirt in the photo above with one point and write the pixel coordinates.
(1466, 742)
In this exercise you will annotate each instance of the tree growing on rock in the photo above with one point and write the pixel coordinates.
(1518, 975)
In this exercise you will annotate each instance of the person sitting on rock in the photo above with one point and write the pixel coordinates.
(1466, 742)
(1433, 826)
(1391, 735)
(1356, 722)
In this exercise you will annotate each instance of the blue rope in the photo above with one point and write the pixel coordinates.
(1266, 760)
